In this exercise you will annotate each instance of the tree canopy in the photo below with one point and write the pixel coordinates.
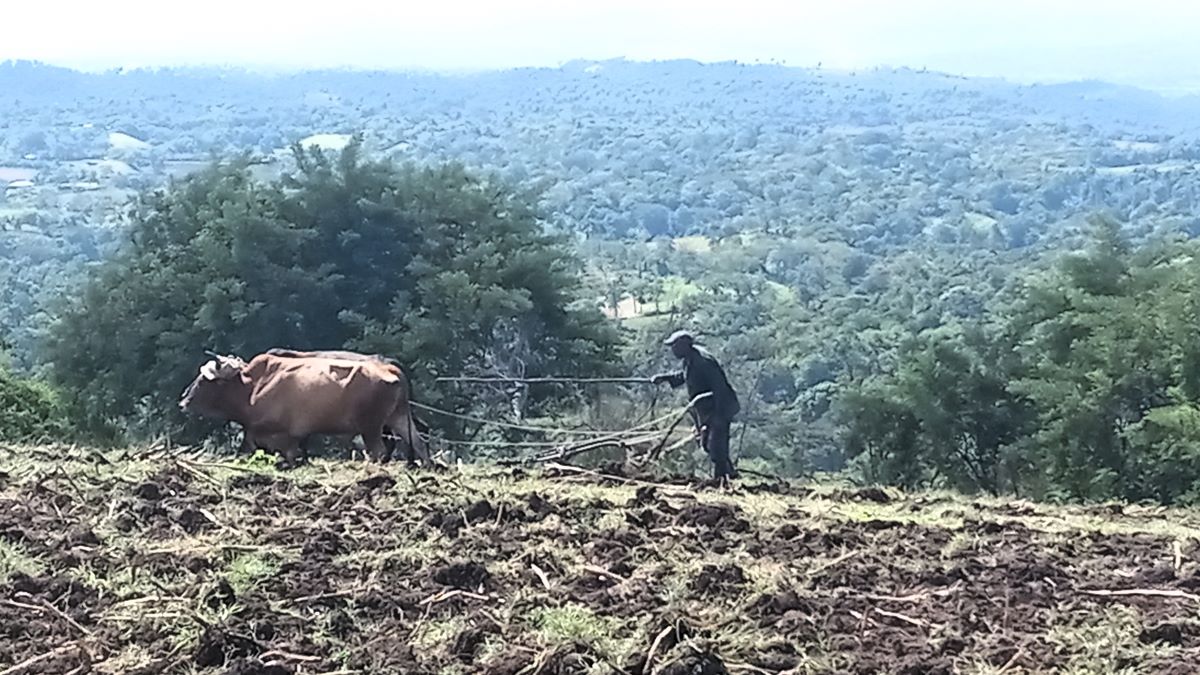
(446, 271)
(1083, 386)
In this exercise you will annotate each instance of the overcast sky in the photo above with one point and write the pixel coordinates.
(1147, 42)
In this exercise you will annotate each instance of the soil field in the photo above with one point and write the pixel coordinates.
(138, 563)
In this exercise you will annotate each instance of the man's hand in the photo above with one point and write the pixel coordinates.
(660, 378)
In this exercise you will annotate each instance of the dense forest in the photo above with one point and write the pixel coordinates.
(922, 279)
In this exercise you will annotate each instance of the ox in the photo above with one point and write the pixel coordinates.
(389, 435)
(284, 400)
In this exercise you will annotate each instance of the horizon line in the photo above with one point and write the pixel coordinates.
(1176, 91)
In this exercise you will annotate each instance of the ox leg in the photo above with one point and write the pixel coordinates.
(253, 441)
(373, 439)
(288, 448)
(389, 441)
(248, 444)
(410, 452)
(291, 450)
(406, 429)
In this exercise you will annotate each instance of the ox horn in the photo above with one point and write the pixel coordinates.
(224, 362)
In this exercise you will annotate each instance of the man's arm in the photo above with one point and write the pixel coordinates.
(675, 379)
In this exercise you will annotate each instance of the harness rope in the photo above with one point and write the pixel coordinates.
(547, 380)
(592, 439)
(545, 430)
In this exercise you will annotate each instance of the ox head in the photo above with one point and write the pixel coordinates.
(210, 393)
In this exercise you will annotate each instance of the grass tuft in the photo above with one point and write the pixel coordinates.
(249, 569)
(14, 559)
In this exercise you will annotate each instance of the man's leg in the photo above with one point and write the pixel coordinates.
(718, 447)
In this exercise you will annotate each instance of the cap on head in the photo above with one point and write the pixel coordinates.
(680, 336)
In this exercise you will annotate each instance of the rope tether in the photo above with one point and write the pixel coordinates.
(544, 430)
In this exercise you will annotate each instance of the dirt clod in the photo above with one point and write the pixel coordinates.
(380, 481)
(779, 603)
(81, 535)
(479, 511)
(217, 647)
(324, 543)
(713, 516)
(467, 576)
(876, 495)
(696, 664)
(467, 643)
(508, 663)
(150, 491)
(1163, 633)
(193, 521)
(539, 505)
(876, 524)
(221, 596)
(718, 579)
(646, 494)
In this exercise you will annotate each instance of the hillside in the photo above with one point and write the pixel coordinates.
(812, 224)
(661, 148)
(141, 561)
(862, 167)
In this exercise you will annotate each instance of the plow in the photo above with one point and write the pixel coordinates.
(642, 443)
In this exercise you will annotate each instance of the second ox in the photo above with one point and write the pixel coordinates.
(282, 400)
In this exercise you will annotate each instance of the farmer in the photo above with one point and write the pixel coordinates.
(712, 414)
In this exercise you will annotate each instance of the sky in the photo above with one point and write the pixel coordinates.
(1146, 43)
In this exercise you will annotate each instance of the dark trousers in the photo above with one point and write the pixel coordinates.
(715, 438)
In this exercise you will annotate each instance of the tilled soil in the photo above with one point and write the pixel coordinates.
(179, 566)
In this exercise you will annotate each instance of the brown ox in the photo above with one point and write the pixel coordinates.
(284, 400)
(389, 435)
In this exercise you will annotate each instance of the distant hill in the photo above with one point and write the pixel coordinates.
(872, 165)
(668, 147)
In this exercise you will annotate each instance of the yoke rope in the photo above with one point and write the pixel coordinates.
(544, 430)
(547, 380)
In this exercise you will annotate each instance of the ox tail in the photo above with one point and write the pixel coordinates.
(416, 444)
(414, 437)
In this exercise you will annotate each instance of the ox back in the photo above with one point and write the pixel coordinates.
(324, 394)
(331, 354)
(390, 434)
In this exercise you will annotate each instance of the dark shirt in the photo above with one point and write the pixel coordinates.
(701, 373)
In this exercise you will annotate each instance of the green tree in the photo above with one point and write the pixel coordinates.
(944, 418)
(1084, 388)
(882, 437)
(1107, 341)
(437, 267)
(957, 386)
(30, 411)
